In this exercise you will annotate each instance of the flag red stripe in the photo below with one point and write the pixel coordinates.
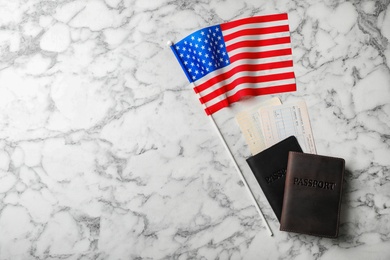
(256, 31)
(245, 67)
(249, 92)
(258, 43)
(242, 80)
(260, 55)
(257, 19)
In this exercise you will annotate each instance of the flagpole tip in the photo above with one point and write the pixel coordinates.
(169, 43)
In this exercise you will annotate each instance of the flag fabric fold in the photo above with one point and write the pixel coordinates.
(246, 57)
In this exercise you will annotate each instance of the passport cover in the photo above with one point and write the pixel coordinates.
(312, 195)
(269, 167)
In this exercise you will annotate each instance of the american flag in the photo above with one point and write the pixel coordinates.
(246, 57)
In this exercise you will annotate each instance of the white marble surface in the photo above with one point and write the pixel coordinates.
(106, 153)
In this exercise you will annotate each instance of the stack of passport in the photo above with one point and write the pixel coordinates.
(304, 190)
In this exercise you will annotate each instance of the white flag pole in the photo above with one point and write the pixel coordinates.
(170, 44)
(241, 175)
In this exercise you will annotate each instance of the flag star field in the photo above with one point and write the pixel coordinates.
(203, 52)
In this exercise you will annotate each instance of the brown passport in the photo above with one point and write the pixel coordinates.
(312, 195)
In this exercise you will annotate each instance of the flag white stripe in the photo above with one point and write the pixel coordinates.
(260, 49)
(255, 26)
(257, 37)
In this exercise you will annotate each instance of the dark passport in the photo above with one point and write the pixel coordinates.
(312, 195)
(269, 167)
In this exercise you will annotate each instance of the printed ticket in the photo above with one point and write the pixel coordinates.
(282, 121)
(250, 125)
